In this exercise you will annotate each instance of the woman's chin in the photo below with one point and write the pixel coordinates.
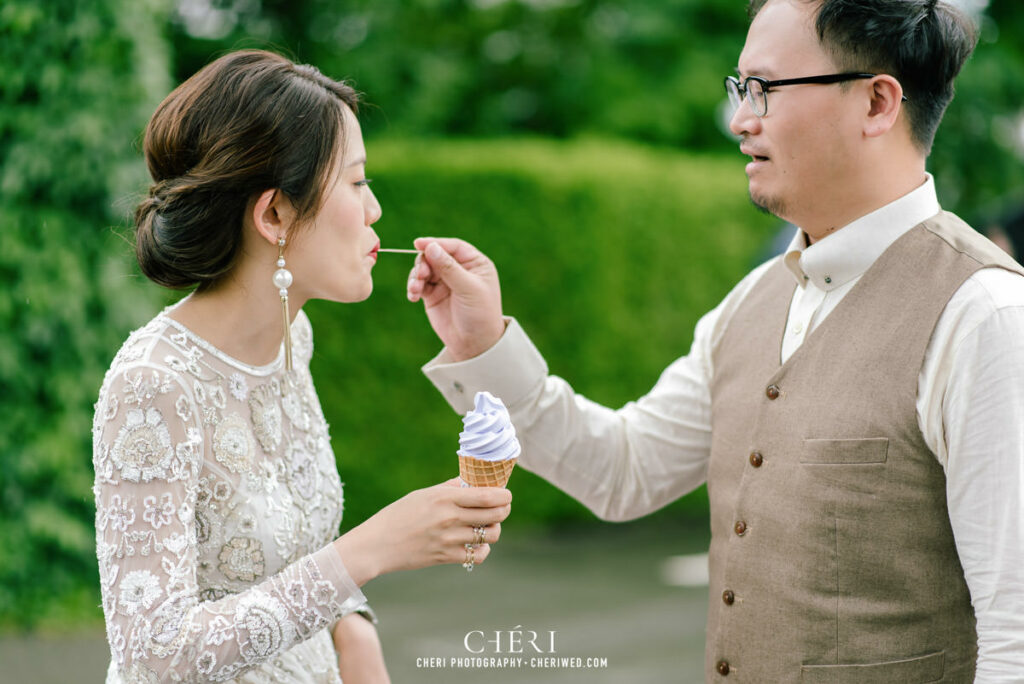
(354, 295)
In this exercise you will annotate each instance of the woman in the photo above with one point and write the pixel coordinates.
(218, 500)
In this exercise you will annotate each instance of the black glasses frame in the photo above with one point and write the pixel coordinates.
(742, 88)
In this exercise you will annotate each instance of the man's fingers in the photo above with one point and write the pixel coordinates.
(424, 283)
(447, 268)
(416, 282)
(462, 251)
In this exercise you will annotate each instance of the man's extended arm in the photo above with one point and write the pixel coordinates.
(621, 464)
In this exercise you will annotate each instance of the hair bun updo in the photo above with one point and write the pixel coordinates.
(183, 234)
(222, 137)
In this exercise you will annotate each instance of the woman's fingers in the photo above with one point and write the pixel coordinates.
(480, 553)
(475, 534)
(479, 497)
(475, 507)
(426, 527)
(484, 516)
(484, 534)
(471, 553)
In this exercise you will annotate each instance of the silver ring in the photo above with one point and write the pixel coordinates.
(469, 558)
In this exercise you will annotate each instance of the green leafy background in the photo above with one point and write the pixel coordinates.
(578, 142)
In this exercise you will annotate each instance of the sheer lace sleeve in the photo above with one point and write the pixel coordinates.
(148, 455)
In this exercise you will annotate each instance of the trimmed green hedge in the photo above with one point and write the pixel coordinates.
(79, 79)
(608, 254)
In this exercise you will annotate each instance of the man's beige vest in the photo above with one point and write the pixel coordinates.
(832, 557)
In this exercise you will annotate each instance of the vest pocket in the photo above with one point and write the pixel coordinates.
(845, 451)
(927, 668)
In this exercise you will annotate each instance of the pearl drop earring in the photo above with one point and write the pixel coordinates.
(282, 281)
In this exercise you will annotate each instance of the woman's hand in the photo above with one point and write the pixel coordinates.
(426, 527)
(460, 291)
(360, 657)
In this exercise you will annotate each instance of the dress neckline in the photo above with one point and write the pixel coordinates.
(262, 371)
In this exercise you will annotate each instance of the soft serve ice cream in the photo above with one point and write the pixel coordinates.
(488, 448)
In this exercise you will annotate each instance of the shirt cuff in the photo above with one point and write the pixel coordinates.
(510, 370)
(350, 596)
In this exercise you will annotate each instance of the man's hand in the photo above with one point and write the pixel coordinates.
(360, 657)
(459, 288)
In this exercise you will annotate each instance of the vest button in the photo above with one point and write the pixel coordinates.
(740, 528)
(772, 392)
(756, 459)
(728, 597)
(722, 667)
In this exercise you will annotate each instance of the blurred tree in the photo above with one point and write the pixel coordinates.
(648, 71)
(978, 158)
(78, 82)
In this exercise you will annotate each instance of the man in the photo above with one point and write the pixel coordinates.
(855, 405)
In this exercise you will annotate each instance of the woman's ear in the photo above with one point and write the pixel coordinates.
(272, 215)
(885, 107)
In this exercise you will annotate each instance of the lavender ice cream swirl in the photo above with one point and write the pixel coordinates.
(488, 433)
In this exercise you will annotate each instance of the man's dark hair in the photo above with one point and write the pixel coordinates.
(921, 43)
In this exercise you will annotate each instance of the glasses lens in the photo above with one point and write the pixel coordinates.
(732, 88)
(757, 98)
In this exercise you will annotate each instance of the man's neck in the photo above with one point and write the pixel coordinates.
(874, 191)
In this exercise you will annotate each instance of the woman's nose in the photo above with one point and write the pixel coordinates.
(372, 208)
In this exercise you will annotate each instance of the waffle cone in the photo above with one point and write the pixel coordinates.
(479, 473)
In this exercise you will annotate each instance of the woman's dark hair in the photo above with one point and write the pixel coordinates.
(921, 43)
(248, 122)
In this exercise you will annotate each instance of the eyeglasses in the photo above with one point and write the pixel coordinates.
(755, 89)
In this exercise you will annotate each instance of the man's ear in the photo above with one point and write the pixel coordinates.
(885, 106)
(272, 215)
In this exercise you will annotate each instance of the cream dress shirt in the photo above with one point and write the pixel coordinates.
(624, 464)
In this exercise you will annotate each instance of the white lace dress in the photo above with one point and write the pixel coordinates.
(217, 499)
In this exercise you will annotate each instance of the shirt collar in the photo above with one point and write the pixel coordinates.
(849, 252)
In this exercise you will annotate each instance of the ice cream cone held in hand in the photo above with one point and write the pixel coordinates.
(488, 448)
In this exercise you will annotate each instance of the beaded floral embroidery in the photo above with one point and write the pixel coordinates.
(216, 492)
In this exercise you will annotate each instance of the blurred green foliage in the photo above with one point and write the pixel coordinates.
(608, 251)
(978, 158)
(646, 71)
(78, 82)
(608, 254)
